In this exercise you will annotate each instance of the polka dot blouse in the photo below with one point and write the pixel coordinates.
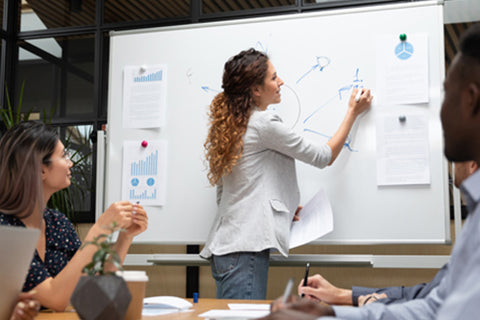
(61, 244)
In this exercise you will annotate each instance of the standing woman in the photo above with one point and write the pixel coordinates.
(251, 156)
(33, 165)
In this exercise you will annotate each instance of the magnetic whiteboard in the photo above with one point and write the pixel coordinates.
(299, 46)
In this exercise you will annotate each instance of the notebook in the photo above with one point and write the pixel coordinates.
(17, 246)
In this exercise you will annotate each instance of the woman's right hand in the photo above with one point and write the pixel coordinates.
(363, 103)
(121, 212)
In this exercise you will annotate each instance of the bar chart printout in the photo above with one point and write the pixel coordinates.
(144, 172)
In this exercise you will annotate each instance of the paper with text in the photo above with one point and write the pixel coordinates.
(144, 96)
(402, 69)
(145, 172)
(402, 150)
(237, 314)
(316, 220)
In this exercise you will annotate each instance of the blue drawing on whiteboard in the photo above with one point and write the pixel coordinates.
(404, 50)
(157, 76)
(357, 83)
(259, 47)
(150, 182)
(135, 182)
(347, 143)
(322, 62)
(207, 89)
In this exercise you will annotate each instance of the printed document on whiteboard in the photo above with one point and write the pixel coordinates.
(402, 69)
(316, 220)
(402, 150)
(144, 96)
(145, 172)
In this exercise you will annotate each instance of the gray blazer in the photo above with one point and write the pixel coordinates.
(257, 200)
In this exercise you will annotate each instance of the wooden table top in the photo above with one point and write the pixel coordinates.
(202, 306)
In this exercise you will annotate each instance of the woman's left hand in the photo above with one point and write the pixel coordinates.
(26, 308)
(296, 217)
(139, 221)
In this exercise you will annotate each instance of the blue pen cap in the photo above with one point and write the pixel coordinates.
(195, 297)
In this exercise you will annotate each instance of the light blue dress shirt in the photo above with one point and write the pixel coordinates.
(458, 294)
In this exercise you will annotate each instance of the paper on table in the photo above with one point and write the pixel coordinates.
(316, 220)
(249, 306)
(237, 314)
(152, 310)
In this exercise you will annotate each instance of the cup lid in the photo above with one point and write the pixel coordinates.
(132, 275)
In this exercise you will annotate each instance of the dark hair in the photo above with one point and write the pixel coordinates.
(23, 150)
(231, 109)
(470, 43)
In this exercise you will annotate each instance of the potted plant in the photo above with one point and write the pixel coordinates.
(101, 294)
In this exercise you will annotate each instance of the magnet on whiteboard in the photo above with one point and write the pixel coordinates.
(144, 143)
(143, 68)
(402, 119)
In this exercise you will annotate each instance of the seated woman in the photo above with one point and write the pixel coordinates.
(33, 165)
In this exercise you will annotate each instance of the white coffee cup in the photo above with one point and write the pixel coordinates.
(136, 282)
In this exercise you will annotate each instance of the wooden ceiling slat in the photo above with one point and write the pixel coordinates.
(115, 14)
(175, 8)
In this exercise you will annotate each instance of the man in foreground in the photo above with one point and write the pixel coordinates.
(458, 294)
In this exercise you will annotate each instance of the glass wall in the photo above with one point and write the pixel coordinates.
(58, 76)
(57, 52)
(50, 14)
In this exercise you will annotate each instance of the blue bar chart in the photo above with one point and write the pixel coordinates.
(147, 167)
(157, 76)
(144, 172)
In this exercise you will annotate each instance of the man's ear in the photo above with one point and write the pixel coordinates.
(474, 98)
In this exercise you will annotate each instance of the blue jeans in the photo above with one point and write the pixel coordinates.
(241, 275)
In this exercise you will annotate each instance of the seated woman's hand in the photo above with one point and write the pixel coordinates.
(120, 212)
(139, 221)
(26, 308)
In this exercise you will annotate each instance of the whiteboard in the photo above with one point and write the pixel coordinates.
(364, 213)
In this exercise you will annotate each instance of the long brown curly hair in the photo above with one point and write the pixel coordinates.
(230, 111)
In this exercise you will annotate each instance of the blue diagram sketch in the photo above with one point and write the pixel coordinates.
(260, 47)
(207, 89)
(357, 83)
(322, 62)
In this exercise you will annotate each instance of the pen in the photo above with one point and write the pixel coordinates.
(359, 93)
(138, 202)
(305, 279)
(288, 290)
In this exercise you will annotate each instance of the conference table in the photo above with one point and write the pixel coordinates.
(202, 306)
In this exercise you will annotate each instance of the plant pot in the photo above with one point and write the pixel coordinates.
(101, 297)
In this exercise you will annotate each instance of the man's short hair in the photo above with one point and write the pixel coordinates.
(470, 43)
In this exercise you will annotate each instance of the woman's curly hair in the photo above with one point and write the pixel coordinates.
(230, 111)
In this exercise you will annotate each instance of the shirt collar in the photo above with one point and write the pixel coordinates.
(471, 190)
